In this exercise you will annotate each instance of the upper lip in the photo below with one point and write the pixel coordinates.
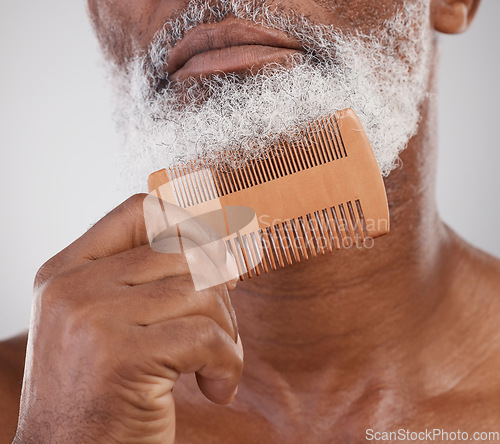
(230, 32)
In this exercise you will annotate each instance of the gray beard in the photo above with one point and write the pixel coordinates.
(383, 77)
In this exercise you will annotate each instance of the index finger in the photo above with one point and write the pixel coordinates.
(120, 230)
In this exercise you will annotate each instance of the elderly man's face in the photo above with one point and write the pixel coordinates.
(195, 77)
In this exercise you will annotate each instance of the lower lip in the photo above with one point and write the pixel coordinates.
(232, 59)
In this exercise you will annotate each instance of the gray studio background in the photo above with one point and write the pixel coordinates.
(59, 149)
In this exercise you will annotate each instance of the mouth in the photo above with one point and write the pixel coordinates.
(230, 46)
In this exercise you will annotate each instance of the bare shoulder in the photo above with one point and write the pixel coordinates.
(491, 272)
(12, 353)
(485, 267)
(484, 306)
(476, 396)
(477, 275)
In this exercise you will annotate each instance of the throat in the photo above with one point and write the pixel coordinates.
(343, 307)
(349, 313)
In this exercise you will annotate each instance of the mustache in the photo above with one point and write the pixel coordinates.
(256, 11)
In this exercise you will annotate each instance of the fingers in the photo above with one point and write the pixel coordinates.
(139, 220)
(99, 290)
(120, 230)
(195, 344)
(173, 298)
(142, 265)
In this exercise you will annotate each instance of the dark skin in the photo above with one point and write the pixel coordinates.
(404, 335)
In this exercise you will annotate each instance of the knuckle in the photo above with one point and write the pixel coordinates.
(133, 207)
(64, 295)
(53, 290)
(129, 216)
(218, 299)
(225, 301)
(54, 307)
(209, 332)
(46, 272)
(208, 301)
(214, 304)
(212, 336)
(215, 339)
(134, 204)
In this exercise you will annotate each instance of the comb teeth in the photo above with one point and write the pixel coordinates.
(321, 190)
(282, 245)
(319, 143)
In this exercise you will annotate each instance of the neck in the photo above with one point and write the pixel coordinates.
(350, 313)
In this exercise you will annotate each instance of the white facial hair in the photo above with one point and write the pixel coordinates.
(382, 77)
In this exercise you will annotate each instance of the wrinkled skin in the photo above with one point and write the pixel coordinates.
(404, 335)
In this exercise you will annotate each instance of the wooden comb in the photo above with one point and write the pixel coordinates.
(321, 191)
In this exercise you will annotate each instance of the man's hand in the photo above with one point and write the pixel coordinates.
(114, 324)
